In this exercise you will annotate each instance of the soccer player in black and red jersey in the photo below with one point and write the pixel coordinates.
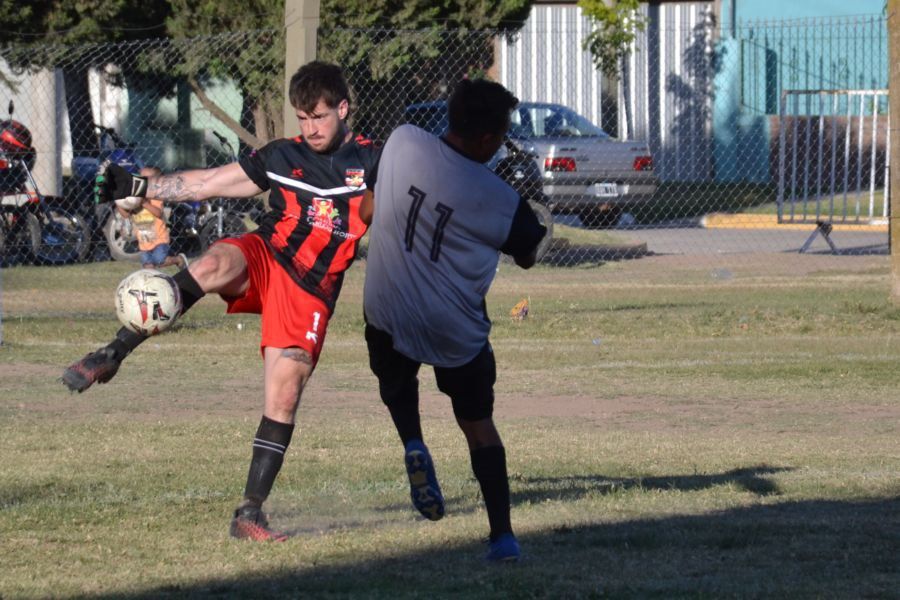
(290, 270)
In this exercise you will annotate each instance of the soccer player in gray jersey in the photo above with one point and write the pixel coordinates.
(440, 218)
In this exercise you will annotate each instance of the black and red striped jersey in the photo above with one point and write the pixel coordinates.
(313, 226)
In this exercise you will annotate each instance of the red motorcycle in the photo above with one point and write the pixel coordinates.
(33, 227)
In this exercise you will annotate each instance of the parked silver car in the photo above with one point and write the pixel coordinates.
(585, 171)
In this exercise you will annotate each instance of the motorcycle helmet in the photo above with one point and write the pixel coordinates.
(15, 142)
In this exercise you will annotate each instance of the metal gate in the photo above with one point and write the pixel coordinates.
(832, 157)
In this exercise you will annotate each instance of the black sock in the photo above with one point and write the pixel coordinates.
(269, 445)
(407, 422)
(489, 465)
(126, 340)
(402, 402)
(191, 291)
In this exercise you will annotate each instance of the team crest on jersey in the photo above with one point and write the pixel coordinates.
(354, 177)
(323, 214)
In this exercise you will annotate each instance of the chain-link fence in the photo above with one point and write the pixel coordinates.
(680, 151)
(170, 104)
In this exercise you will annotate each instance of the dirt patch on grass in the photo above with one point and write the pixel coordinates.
(34, 391)
(17, 370)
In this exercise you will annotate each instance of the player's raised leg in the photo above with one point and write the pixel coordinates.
(286, 372)
(221, 269)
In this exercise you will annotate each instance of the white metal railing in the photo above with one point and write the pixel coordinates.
(832, 156)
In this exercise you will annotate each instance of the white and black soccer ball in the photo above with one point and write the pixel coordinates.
(148, 301)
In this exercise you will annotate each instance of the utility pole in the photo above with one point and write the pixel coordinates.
(893, 26)
(301, 24)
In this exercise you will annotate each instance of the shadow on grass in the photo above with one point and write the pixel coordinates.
(572, 255)
(801, 549)
(749, 479)
(569, 488)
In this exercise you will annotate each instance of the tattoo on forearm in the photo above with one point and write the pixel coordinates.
(298, 355)
(172, 188)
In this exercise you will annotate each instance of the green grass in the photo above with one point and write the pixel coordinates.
(679, 200)
(855, 204)
(676, 428)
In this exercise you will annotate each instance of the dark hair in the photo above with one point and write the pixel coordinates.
(479, 106)
(316, 81)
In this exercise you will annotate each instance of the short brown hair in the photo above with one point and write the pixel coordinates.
(316, 81)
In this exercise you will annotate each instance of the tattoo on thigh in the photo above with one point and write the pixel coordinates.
(297, 355)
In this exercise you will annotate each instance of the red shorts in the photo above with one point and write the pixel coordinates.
(291, 316)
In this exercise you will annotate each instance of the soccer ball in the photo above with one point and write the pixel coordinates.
(148, 301)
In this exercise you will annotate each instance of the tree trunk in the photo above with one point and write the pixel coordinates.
(219, 113)
(81, 119)
(261, 122)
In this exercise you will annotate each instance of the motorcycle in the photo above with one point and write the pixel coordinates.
(33, 227)
(104, 223)
(193, 226)
(223, 217)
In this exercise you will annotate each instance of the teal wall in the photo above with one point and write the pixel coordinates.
(775, 45)
(796, 9)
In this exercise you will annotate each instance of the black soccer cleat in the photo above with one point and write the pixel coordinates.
(99, 367)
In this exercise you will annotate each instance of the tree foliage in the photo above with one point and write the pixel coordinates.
(399, 52)
(66, 35)
(616, 23)
(400, 46)
(39, 23)
(252, 58)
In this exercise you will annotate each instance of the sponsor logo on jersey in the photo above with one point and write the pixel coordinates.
(323, 215)
(297, 173)
(354, 177)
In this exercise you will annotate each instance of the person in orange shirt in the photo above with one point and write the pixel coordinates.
(151, 230)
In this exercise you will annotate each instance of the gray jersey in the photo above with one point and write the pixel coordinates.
(440, 219)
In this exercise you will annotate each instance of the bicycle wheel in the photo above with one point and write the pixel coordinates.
(120, 238)
(58, 236)
(232, 226)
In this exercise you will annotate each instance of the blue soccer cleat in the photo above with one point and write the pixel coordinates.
(423, 485)
(504, 549)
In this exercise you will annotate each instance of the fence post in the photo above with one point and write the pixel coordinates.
(893, 24)
(301, 23)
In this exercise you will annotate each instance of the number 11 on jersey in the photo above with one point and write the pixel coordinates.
(444, 214)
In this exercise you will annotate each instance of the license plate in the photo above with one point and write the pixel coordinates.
(604, 190)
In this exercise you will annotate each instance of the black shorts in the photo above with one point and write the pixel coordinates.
(470, 386)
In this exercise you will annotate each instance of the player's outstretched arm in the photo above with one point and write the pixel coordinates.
(229, 181)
